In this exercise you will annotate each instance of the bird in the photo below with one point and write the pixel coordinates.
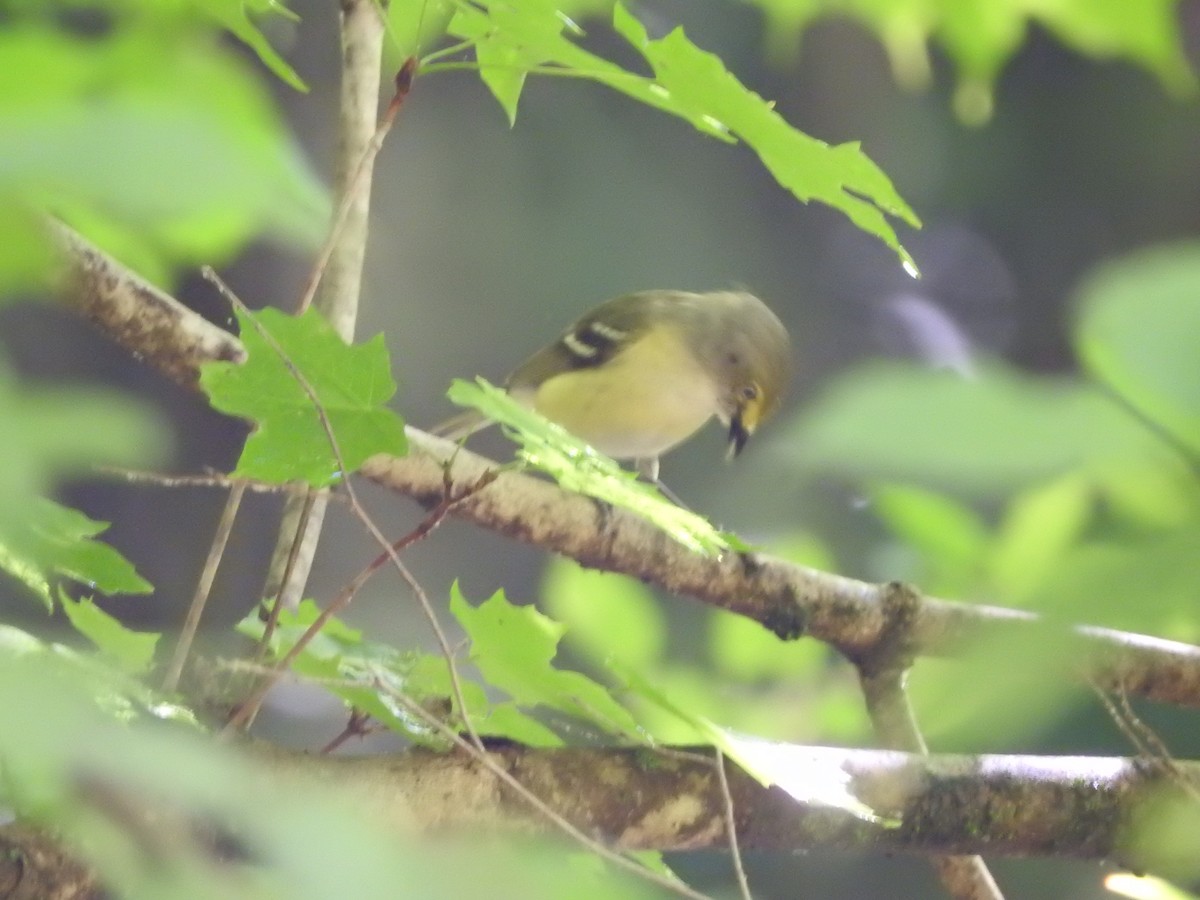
(640, 374)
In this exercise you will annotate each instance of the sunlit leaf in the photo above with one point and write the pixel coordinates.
(804, 772)
(591, 603)
(513, 648)
(352, 384)
(578, 467)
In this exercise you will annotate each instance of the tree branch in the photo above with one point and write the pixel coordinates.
(1020, 806)
(790, 600)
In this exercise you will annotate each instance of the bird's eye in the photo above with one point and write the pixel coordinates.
(750, 392)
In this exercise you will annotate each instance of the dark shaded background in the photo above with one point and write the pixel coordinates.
(487, 241)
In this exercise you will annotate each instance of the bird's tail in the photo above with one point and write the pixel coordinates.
(462, 425)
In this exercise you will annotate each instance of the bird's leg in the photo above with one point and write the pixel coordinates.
(648, 469)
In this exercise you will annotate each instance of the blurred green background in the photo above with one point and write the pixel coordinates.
(486, 241)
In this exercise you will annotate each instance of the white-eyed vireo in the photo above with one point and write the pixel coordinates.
(640, 374)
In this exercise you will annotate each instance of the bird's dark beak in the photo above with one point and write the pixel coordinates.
(738, 434)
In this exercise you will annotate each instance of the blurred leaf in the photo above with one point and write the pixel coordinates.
(1039, 527)
(69, 768)
(985, 435)
(1138, 331)
(234, 16)
(132, 651)
(951, 537)
(513, 648)
(980, 36)
(577, 467)
(1160, 832)
(744, 650)
(351, 382)
(56, 541)
(1136, 584)
(1020, 685)
(47, 434)
(607, 613)
(27, 258)
(151, 139)
(413, 26)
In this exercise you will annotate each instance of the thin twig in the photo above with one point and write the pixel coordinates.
(552, 815)
(203, 586)
(404, 80)
(357, 725)
(881, 676)
(1145, 740)
(210, 480)
(239, 718)
(735, 853)
(277, 602)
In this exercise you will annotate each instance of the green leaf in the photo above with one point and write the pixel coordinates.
(577, 467)
(1138, 331)
(513, 39)
(984, 435)
(513, 648)
(950, 536)
(411, 26)
(699, 86)
(57, 541)
(352, 384)
(608, 614)
(372, 678)
(27, 258)
(234, 16)
(131, 651)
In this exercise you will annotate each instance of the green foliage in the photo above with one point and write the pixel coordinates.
(70, 766)
(370, 677)
(130, 651)
(186, 165)
(1137, 332)
(352, 384)
(56, 541)
(1101, 513)
(577, 467)
(747, 681)
(980, 36)
(513, 648)
(511, 40)
(49, 434)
